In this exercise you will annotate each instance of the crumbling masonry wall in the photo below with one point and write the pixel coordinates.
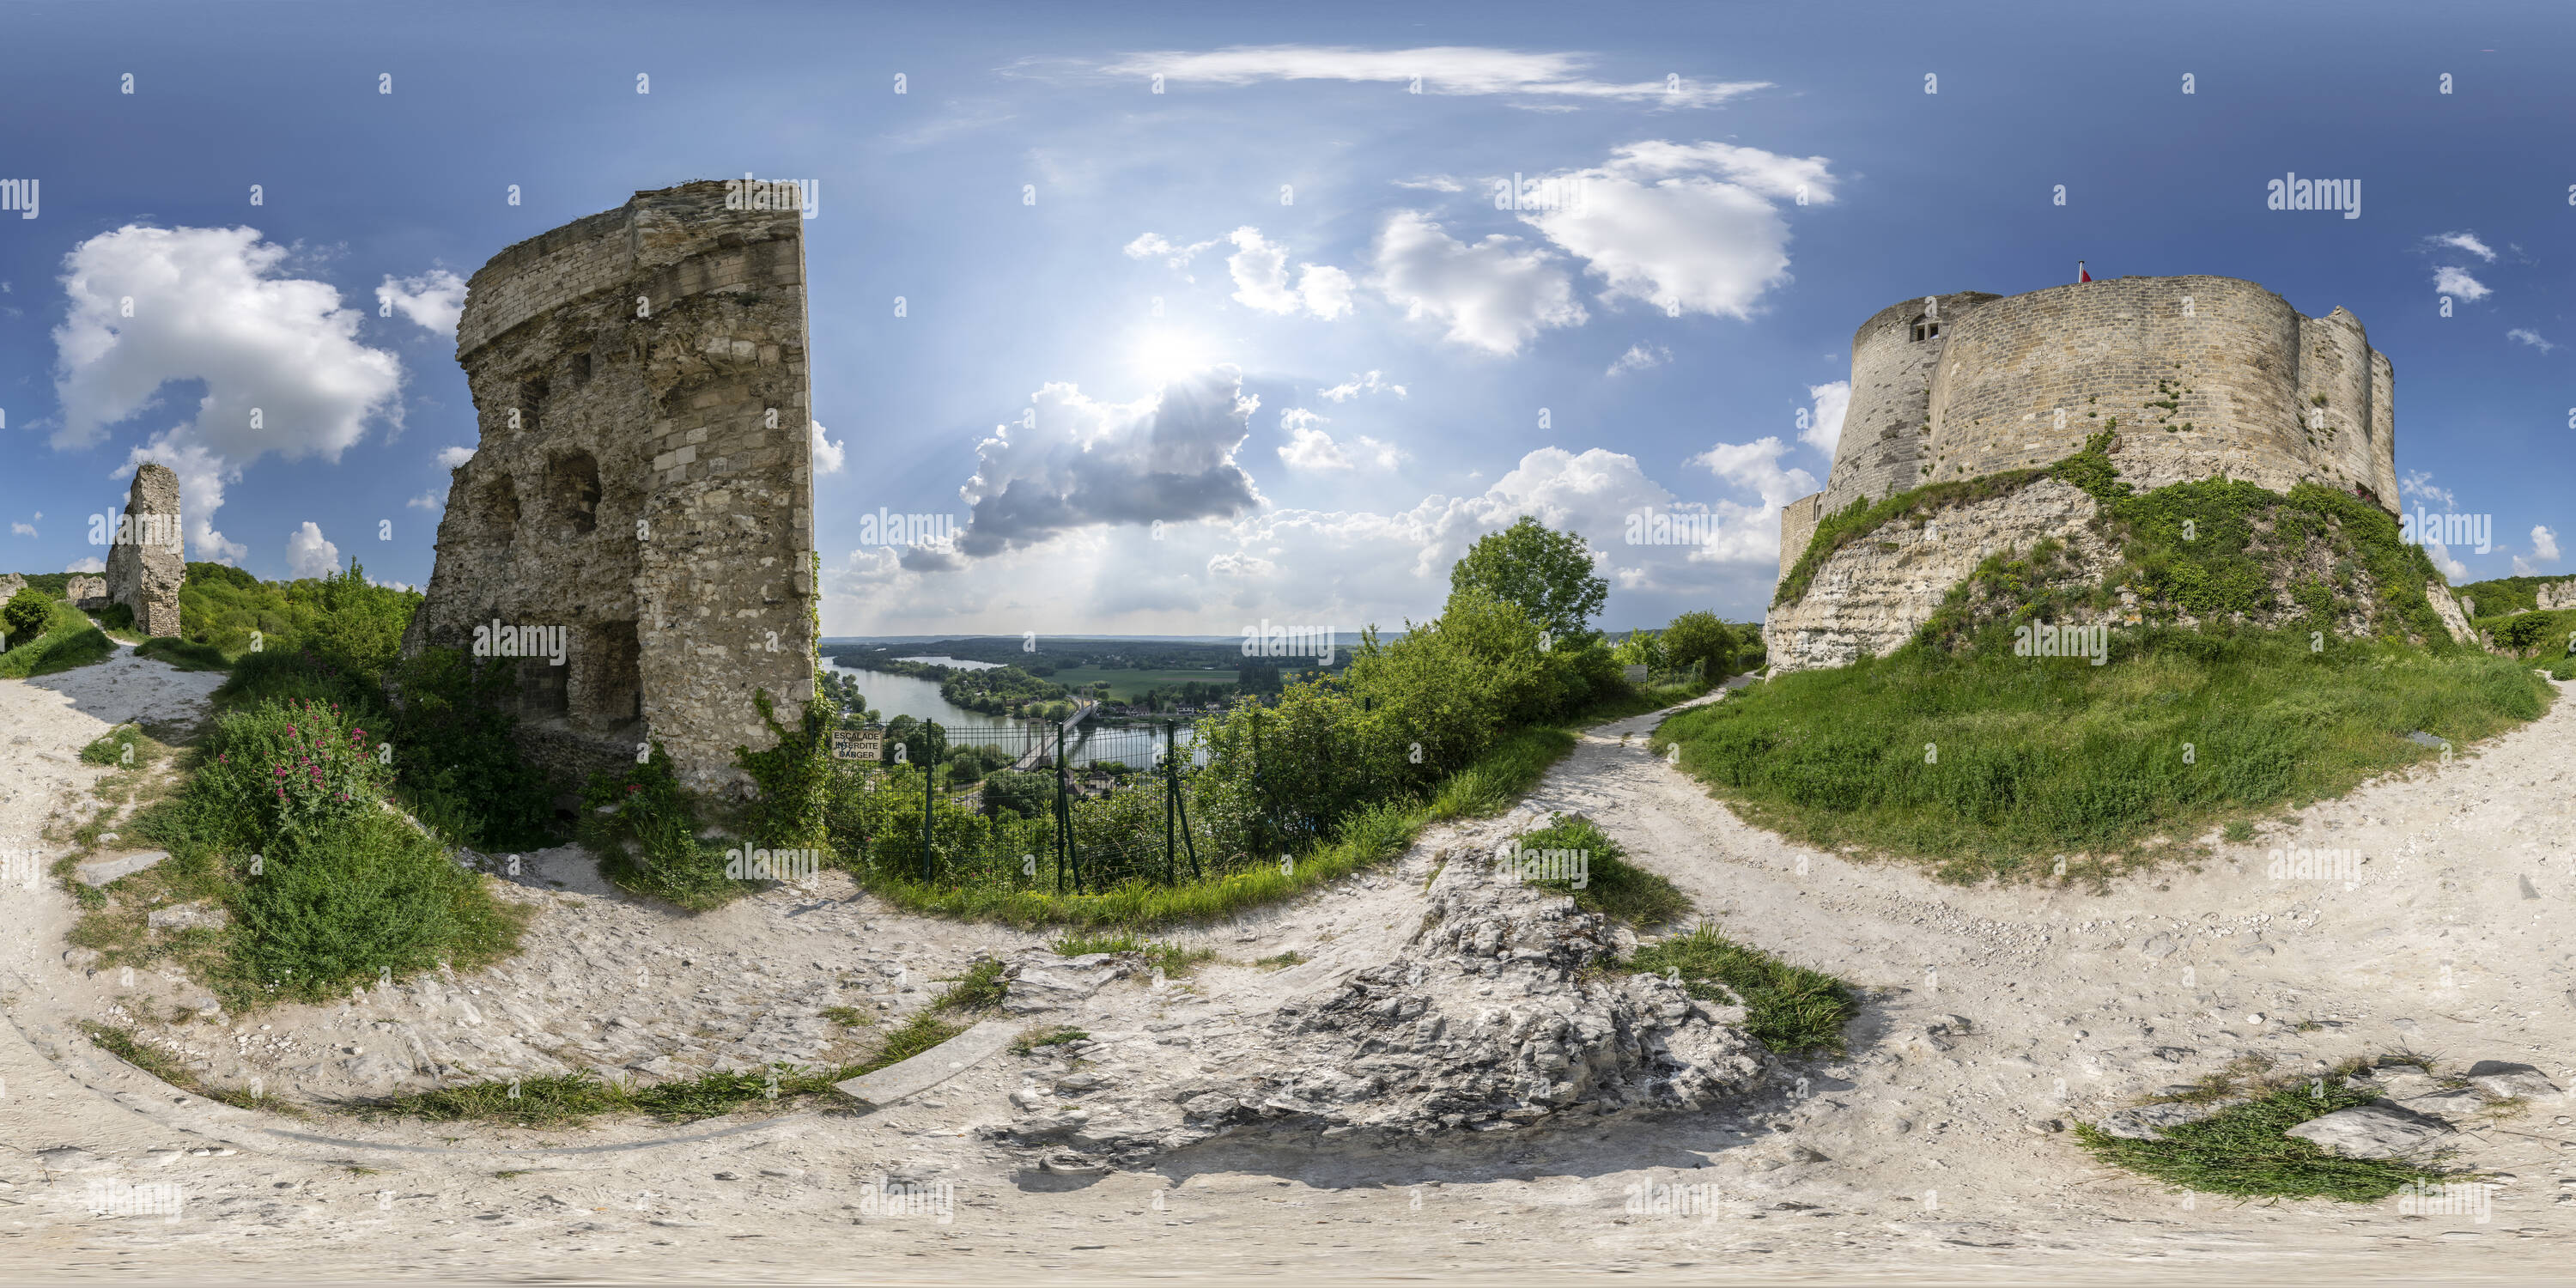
(145, 563)
(643, 482)
(2207, 376)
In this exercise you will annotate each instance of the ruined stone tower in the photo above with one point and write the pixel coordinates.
(634, 535)
(2205, 376)
(144, 561)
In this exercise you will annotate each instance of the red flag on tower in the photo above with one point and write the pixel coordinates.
(2080, 274)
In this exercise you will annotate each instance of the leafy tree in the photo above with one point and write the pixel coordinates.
(1641, 648)
(1546, 573)
(1028, 795)
(1701, 637)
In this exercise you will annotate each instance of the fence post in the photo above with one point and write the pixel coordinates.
(929, 790)
(1055, 811)
(1064, 815)
(1171, 790)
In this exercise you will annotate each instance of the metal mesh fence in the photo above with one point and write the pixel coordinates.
(1025, 806)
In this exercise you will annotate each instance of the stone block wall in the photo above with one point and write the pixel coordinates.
(2011, 382)
(643, 482)
(1887, 429)
(1798, 526)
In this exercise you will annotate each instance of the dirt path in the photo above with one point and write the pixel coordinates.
(1913, 1158)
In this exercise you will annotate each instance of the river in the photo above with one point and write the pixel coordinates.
(903, 695)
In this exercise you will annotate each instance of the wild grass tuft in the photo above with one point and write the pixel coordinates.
(2242, 1151)
(1790, 1008)
(1032, 1039)
(1173, 959)
(1612, 886)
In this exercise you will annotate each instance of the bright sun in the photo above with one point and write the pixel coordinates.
(1164, 355)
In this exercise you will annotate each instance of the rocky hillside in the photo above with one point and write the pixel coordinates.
(2073, 544)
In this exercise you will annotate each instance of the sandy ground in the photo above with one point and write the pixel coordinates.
(1924, 1156)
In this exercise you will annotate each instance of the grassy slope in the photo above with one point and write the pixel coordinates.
(1994, 764)
(69, 640)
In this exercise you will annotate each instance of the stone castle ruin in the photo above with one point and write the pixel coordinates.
(145, 563)
(2207, 377)
(634, 536)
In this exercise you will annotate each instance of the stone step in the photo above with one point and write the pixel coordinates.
(930, 1068)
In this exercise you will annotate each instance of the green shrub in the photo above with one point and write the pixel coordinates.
(793, 775)
(1701, 638)
(456, 756)
(27, 614)
(1025, 794)
(117, 617)
(286, 674)
(646, 831)
(355, 898)
(292, 768)
(2548, 635)
(343, 619)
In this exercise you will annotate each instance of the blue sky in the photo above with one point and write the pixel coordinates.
(1263, 342)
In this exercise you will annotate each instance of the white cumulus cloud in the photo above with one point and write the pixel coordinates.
(2441, 556)
(433, 501)
(308, 554)
(278, 356)
(2544, 544)
(2453, 280)
(435, 299)
(829, 456)
(1686, 228)
(2463, 241)
(1326, 290)
(1368, 383)
(1639, 357)
(91, 564)
(2525, 335)
(2419, 484)
(451, 457)
(1151, 244)
(1260, 271)
(1824, 430)
(1313, 449)
(1494, 294)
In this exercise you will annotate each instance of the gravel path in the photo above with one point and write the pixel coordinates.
(1993, 1011)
